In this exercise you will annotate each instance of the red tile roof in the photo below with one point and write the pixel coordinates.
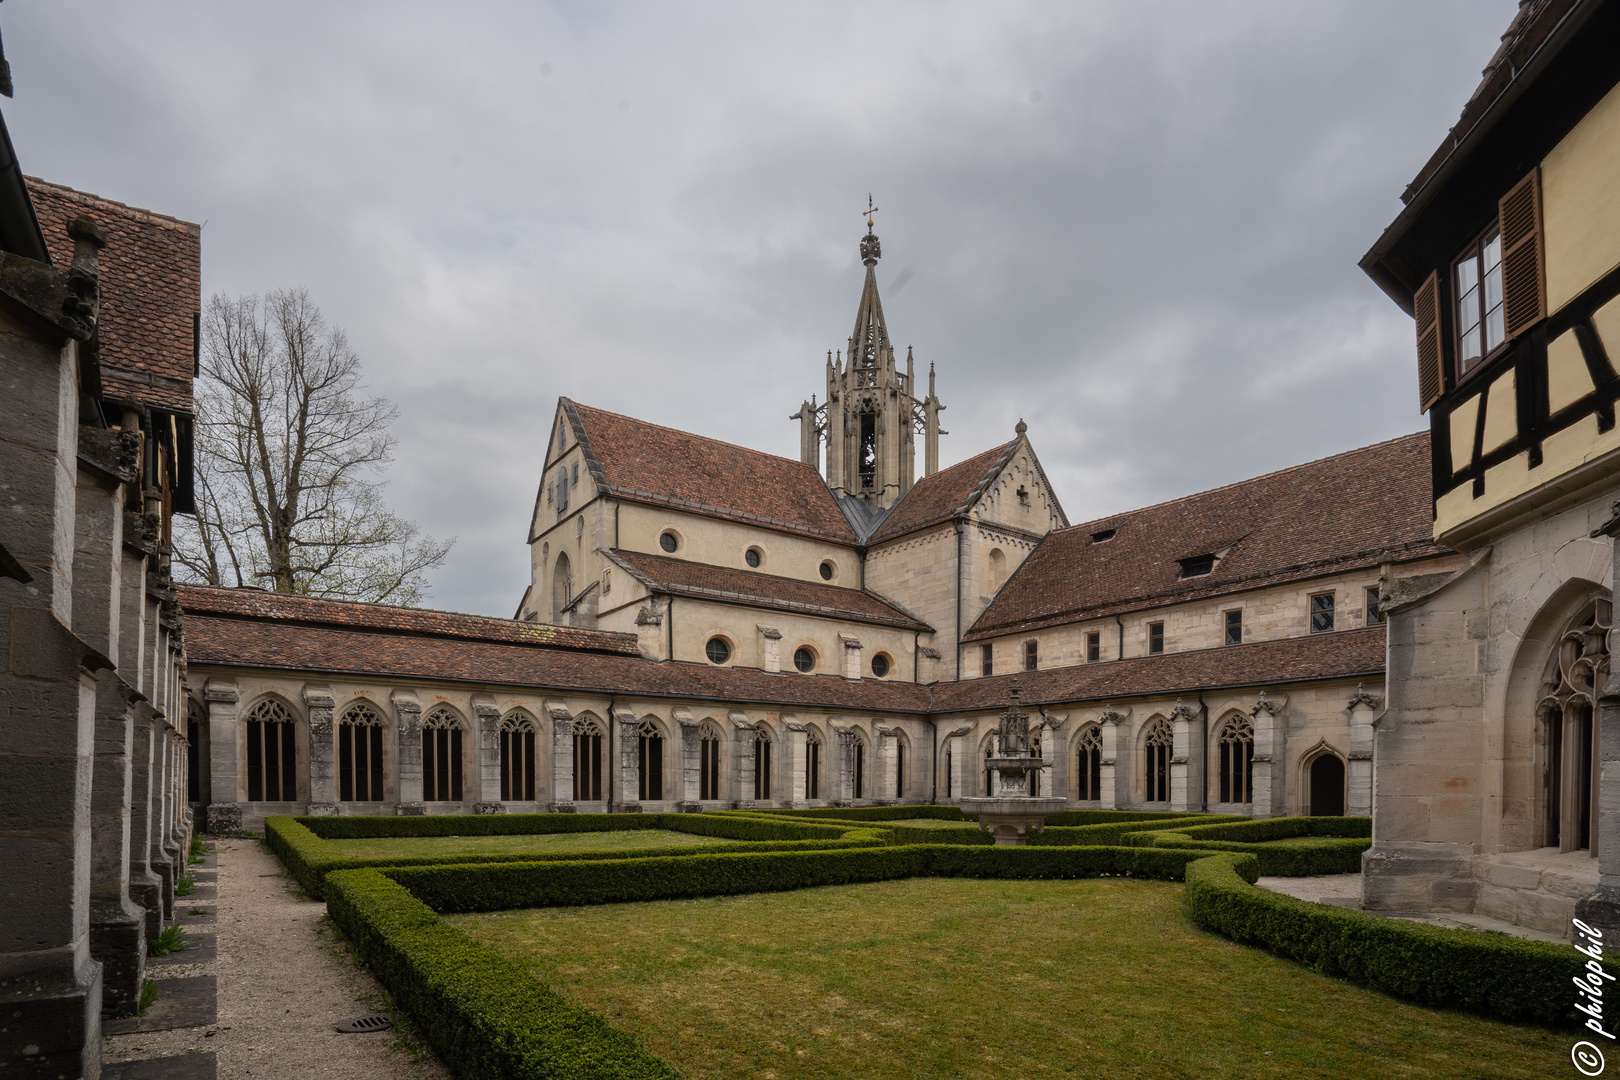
(151, 291)
(233, 638)
(683, 578)
(1323, 517)
(944, 495)
(1346, 654)
(641, 462)
(303, 611)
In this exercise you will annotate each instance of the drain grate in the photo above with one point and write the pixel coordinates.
(363, 1024)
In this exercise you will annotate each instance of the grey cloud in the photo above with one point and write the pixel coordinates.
(1152, 259)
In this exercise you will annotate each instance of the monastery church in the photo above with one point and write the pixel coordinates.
(707, 626)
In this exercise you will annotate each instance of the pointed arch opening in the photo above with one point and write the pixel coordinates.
(360, 753)
(1567, 728)
(1088, 766)
(709, 761)
(272, 752)
(562, 587)
(1157, 746)
(762, 763)
(650, 762)
(518, 745)
(812, 764)
(587, 760)
(443, 764)
(1236, 755)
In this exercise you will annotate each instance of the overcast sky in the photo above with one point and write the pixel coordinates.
(1135, 225)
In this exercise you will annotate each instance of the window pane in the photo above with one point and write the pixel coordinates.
(1495, 332)
(1493, 250)
(1469, 348)
(1467, 274)
(1468, 309)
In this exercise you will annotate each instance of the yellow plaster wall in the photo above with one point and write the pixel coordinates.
(1463, 418)
(1580, 203)
(696, 621)
(1501, 414)
(724, 543)
(1567, 378)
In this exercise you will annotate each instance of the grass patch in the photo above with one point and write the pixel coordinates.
(185, 886)
(199, 911)
(171, 940)
(547, 843)
(930, 823)
(1293, 841)
(1100, 977)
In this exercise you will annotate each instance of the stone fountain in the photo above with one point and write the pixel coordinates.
(1012, 811)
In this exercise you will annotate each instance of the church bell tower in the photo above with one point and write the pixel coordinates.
(872, 411)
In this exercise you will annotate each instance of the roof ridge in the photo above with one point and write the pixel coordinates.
(695, 435)
(1124, 514)
(154, 214)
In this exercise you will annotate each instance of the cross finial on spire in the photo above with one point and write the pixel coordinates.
(871, 208)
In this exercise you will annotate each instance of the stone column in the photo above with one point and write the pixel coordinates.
(1114, 771)
(742, 754)
(562, 757)
(843, 765)
(1600, 912)
(161, 858)
(791, 768)
(1186, 760)
(1054, 767)
(691, 761)
(1364, 709)
(224, 813)
(884, 787)
(627, 800)
(488, 720)
(323, 788)
(1270, 758)
(117, 923)
(852, 656)
(961, 764)
(145, 883)
(408, 717)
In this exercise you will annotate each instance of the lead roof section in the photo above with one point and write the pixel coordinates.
(225, 637)
(701, 581)
(151, 291)
(1323, 517)
(646, 463)
(289, 612)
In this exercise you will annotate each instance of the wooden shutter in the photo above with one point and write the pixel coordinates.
(1426, 308)
(1524, 279)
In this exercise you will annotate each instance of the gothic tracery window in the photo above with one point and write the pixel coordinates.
(762, 764)
(709, 764)
(1089, 784)
(442, 744)
(650, 763)
(1237, 761)
(517, 757)
(1569, 731)
(812, 766)
(360, 754)
(860, 767)
(587, 760)
(272, 755)
(1160, 739)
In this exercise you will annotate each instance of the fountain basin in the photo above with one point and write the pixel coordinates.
(1010, 818)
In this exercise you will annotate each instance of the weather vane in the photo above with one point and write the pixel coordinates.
(869, 211)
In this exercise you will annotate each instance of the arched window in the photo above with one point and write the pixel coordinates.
(899, 768)
(812, 765)
(517, 757)
(562, 586)
(272, 755)
(1034, 786)
(1575, 676)
(1327, 785)
(1160, 739)
(1089, 779)
(587, 761)
(709, 764)
(651, 763)
(360, 754)
(998, 568)
(1237, 761)
(860, 766)
(989, 773)
(762, 764)
(441, 756)
(194, 726)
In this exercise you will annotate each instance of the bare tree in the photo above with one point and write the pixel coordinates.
(289, 462)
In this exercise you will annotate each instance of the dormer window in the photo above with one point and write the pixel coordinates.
(1198, 565)
(1103, 536)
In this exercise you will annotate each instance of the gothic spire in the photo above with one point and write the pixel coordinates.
(869, 344)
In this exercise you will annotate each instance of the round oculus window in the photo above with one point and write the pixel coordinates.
(752, 557)
(718, 650)
(880, 665)
(827, 571)
(668, 542)
(804, 659)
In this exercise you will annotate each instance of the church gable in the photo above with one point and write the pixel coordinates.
(1017, 496)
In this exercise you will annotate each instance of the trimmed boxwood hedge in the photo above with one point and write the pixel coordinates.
(310, 858)
(1114, 832)
(497, 887)
(1503, 977)
(863, 813)
(485, 1015)
(1338, 851)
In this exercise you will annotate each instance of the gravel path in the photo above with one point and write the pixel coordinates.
(284, 981)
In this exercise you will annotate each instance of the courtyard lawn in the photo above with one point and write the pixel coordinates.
(540, 844)
(929, 823)
(1295, 841)
(1099, 978)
